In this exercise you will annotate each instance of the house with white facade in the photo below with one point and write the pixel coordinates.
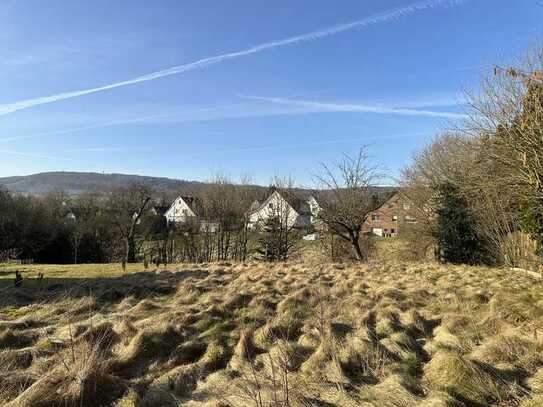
(187, 210)
(314, 208)
(295, 210)
(183, 210)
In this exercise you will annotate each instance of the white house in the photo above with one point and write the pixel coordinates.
(70, 217)
(182, 210)
(296, 211)
(314, 208)
(187, 209)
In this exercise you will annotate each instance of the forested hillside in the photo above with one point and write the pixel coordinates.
(75, 183)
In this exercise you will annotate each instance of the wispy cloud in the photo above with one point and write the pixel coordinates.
(354, 107)
(21, 60)
(186, 115)
(261, 148)
(32, 155)
(84, 128)
(254, 106)
(383, 17)
(294, 146)
(104, 149)
(274, 147)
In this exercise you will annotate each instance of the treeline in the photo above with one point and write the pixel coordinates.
(42, 229)
(479, 187)
(120, 225)
(127, 224)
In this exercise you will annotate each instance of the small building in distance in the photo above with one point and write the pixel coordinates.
(388, 219)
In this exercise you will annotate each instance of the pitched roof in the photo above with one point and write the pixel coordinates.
(297, 203)
(255, 206)
(195, 204)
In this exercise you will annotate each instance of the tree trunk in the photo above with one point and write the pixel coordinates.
(76, 244)
(130, 250)
(356, 245)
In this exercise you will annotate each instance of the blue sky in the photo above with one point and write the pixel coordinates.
(312, 88)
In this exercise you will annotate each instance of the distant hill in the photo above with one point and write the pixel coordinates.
(74, 183)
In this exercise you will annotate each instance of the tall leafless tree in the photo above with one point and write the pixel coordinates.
(225, 205)
(126, 206)
(346, 197)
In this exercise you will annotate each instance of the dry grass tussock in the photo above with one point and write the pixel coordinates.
(381, 334)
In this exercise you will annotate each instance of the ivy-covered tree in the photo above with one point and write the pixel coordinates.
(456, 229)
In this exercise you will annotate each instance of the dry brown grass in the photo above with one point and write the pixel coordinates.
(380, 334)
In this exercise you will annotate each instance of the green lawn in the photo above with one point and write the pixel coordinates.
(71, 270)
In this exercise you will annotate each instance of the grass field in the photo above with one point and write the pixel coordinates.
(70, 270)
(383, 334)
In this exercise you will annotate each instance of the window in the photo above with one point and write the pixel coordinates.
(410, 219)
(375, 217)
(270, 205)
(406, 206)
(392, 230)
(395, 218)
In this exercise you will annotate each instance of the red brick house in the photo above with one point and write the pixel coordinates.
(387, 219)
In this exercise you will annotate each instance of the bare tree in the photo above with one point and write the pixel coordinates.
(225, 205)
(494, 159)
(126, 206)
(506, 120)
(448, 158)
(460, 160)
(507, 115)
(220, 231)
(346, 197)
(278, 230)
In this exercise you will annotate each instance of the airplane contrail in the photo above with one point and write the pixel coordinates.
(383, 17)
(305, 107)
(356, 108)
(113, 123)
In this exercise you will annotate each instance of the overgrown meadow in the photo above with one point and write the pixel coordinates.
(286, 334)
